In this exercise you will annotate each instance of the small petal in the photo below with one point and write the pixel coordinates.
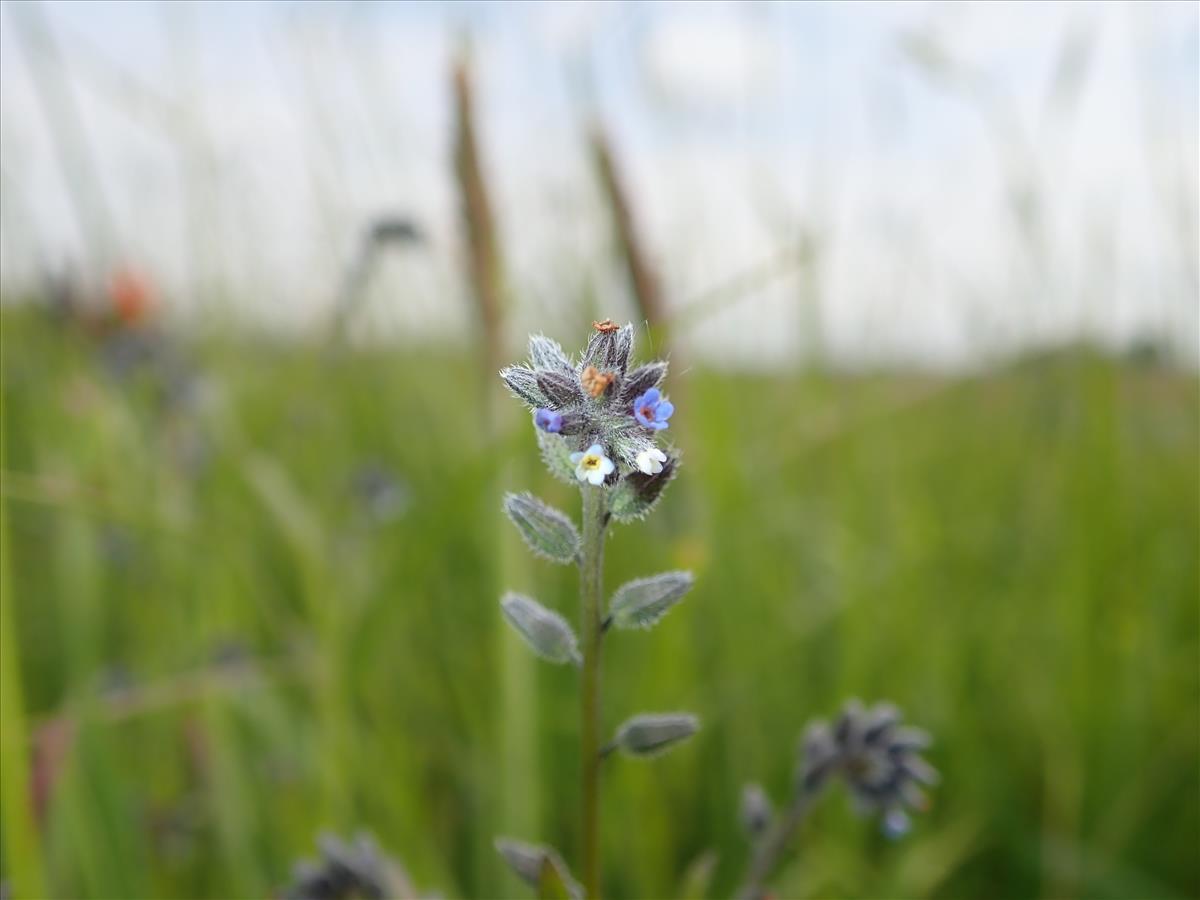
(650, 397)
(596, 476)
(606, 467)
(896, 824)
(650, 461)
(596, 449)
(664, 410)
(577, 456)
(548, 420)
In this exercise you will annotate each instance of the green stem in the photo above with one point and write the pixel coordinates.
(22, 840)
(771, 846)
(591, 589)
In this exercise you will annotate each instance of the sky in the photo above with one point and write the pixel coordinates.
(980, 178)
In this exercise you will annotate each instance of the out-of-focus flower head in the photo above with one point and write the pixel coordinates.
(356, 870)
(132, 297)
(877, 758)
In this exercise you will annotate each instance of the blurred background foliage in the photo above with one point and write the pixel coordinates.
(251, 569)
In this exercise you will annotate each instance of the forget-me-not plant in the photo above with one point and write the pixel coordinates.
(876, 756)
(597, 421)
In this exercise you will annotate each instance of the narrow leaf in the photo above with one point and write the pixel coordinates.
(642, 602)
(554, 883)
(541, 868)
(524, 859)
(546, 632)
(548, 532)
(652, 733)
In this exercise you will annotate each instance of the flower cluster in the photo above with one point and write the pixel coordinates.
(606, 413)
(346, 870)
(877, 758)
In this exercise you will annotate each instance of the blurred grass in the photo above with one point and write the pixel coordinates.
(226, 643)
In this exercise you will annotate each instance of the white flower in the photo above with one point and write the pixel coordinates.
(651, 461)
(592, 465)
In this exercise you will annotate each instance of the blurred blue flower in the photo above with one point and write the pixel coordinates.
(548, 420)
(653, 410)
(878, 759)
(897, 823)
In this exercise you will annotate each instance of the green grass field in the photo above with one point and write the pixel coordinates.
(270, 608)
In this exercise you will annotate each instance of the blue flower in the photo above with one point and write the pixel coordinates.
(548, 420)
(653, 410)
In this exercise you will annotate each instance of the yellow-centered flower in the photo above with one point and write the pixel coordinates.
(592, 465)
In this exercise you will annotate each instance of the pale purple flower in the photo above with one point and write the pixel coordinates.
(652, 409)
(548, 420)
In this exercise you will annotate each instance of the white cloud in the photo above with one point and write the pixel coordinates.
(710, 59)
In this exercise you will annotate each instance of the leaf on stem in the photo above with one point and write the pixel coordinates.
(546, 632)
(649, 734)
(541, 868)
(642, 602)
(548, 532)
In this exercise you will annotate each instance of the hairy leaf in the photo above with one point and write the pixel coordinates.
(540, 867)
(548, 532)
(522, 383)
(545, 353)
(556, 454)
(546, 632)
(652, 733)
(599, 351)
(637, 493)
(641, 380)
(554, 883)
(560, 389)
(622, 347)
(642, 602)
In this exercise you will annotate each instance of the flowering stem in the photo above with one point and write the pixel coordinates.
(591, 588)
(772, 846)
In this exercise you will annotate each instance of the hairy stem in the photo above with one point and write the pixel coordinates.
(591, 588)
(772, 846)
